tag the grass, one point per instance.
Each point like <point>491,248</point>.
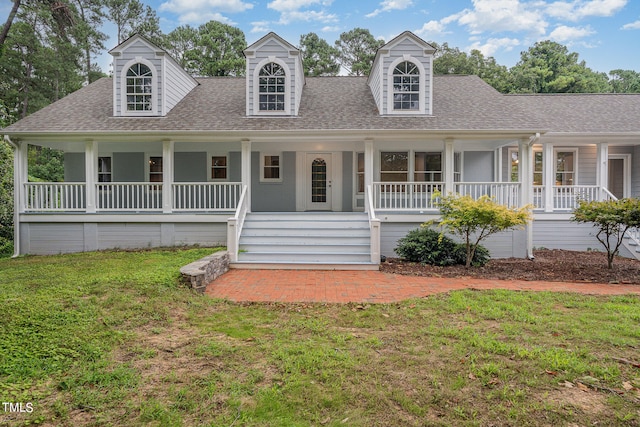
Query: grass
<point>110,338</point>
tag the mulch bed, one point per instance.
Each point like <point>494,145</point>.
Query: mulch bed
<point>549,265</point>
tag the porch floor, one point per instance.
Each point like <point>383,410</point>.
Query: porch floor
<point>371,286</point>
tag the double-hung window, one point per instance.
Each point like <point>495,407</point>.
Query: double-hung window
<point>565,167</point>
<point>394,166</point>
<point>104,169</point>
<point>155,169</point>
<point>270,168</point>
<point>428,167</point>
<point>219,168</point>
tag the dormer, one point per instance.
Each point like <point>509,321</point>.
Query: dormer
<point>146,80</point>
<point>275,77</point>
<point>401,76</point>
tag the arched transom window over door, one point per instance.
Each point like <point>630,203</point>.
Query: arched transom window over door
<point>139,88</point>
<point>406,87</point>
<point>271,88</point>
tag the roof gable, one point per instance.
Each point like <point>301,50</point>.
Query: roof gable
<point>137,38</point>
<point>249,51</point>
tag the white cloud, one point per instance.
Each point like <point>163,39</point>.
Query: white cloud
<point>502,15</point>
<point>580,9</point>
<point>389,5</point>
<point>564,34</point>
<point>632,26</point>
<point>292,5</point>
<point>186,6</point>
<point>307,16</point>
<point>260,27</point>
<point>491,46</point>
<point>196,18</point>
<point>432,29</point>
<point>330,29</point>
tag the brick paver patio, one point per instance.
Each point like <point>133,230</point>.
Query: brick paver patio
<point>371,286</point>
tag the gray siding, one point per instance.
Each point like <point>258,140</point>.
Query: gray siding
<point>74,167</point>
<point>587,159</point>
<point>347,181</point>
<point>478,166</point>
<point>178,84</point>
<point>274,196</point>
<point>235,166</point>
<point>554,234</point>
<point>191,167</point>
<point>56,238</point>
<point>128,167</point>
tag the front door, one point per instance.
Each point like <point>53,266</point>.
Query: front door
<point>618,176</point>
<point>318,181</point>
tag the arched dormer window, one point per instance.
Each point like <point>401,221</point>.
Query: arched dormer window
<point>406,87</point>
<point>139,88</point>
<point>272,87</point>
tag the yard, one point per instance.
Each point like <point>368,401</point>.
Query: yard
<point>109,338</point>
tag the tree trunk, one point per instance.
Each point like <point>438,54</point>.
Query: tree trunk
<point>7,24</point>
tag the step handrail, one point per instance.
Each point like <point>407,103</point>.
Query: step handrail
<point>235,224</point>
<point>374,226</point>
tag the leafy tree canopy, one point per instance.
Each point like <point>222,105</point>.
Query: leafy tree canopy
<point>318,57</point>
<point>357,50</point>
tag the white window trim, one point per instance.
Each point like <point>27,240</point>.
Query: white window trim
<point>210,156</point>
<point>123,88</point>
<point>574,150</point>
<point>97,177</point>
<point>423,76</point>
<point>147,167</point>
<point>287,88</point>
<point>626,158</point>
<point>411,167</point>
<point>262,165</point>
<point>533,164</point>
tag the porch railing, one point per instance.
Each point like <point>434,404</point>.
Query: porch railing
<point>235,224</point>
<point>504,193</point>
<point>206,196</point>
<point>405,196</point>
<point>130,196</point>
<point>566,197</point>
<point>55,197</point>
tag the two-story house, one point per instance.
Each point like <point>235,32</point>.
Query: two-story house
<point>328,172</point>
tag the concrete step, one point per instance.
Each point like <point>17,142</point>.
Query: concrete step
<point>298,257</point>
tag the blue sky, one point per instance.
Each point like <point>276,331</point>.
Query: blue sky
<point>606,33</point>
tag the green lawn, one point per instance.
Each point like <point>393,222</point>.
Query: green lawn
<point>110,338</point>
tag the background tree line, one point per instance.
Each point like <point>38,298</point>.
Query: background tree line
<point>48,49</point>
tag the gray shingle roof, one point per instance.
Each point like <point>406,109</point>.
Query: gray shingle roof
<point>461,103</point>
<point>585,113</point>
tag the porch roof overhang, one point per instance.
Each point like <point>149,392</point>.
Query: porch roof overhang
<point>270,136</point>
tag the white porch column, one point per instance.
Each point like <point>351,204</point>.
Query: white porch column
<point>525,176</point>
<point>91,173</point>
<point>449,166</point>
<point>368,167</point>
<point>246,170</point>
<point>167,175</point>
<point>602,169</point>
<point>21,175</point>
<point>549,176</point>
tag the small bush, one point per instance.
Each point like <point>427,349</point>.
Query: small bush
<point>424,245</point>
<point>427,246</point>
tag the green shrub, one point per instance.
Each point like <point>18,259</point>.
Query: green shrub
<point>427,246</point>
